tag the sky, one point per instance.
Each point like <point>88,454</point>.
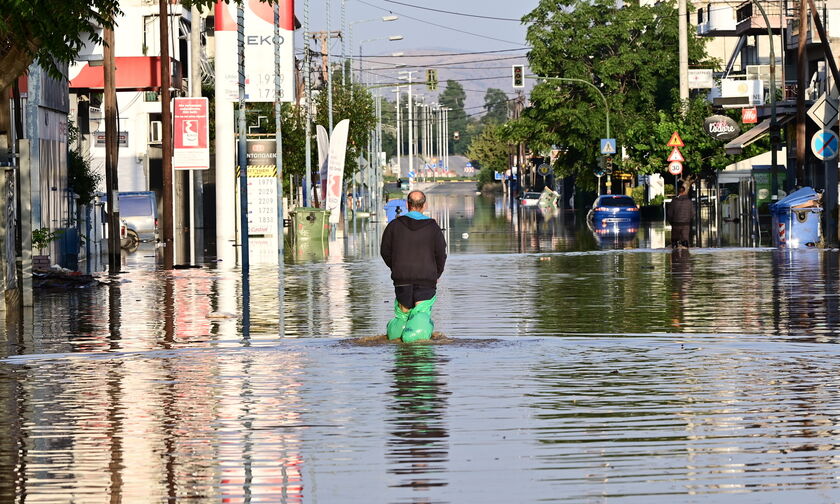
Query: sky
<point>425,30</point>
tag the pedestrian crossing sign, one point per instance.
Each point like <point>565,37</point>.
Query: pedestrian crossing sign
<point>608,146</point>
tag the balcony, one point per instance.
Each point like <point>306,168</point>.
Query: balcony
<point>716,20</point>
<point>749,20</point>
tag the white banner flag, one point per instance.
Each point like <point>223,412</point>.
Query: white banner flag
<point>335,171</point>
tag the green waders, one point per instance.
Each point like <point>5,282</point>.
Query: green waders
<point>415,325</point>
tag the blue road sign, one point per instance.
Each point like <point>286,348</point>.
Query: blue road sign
<point>825,145</point>
<point>468,165</point>
<point>411,174</point>
<point>608,146</point>
<point>497,175</point>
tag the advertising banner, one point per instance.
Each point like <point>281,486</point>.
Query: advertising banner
<point>191,134</point>
<point>259,50</point>
<point>335,170</point>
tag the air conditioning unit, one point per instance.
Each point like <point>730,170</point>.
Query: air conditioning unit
<point>155,132</point>
<point>759,72</point>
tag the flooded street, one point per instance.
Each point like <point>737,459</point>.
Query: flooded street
<point>585,367</point>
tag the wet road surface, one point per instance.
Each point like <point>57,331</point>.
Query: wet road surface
<point>581,370</point>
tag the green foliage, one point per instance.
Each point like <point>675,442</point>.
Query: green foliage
<point>638,195</point>
<point>80,176</point>
<point>496,106</point>
<point>657,200</point>
<point>50,32</point>
<point>647,149</point>
<point>628,53</point>
<point>353,102</point>
<point>454,97</point>
<point>42,237</point>
<point>490,151</point>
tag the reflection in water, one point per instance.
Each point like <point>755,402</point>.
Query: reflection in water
<point>635,375</point>
<point>418,443</point>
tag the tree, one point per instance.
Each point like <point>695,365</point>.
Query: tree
<point>496,106</point>
<point>648,152</point>
<point>353,102</point>
<point>454,97</point>
<point>490,151</point>
<point>628,53</point>
<point>53,32</point>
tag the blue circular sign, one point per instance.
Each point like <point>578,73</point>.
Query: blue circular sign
<point>825,145</point>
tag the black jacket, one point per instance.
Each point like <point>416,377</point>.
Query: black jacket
<point>681,210</point>
<point>414,250</point>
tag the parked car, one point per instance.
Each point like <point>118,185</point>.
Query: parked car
<point>613,208</point>
<point>129,240</point>
<point>530,199</point>
<point>139,211</point>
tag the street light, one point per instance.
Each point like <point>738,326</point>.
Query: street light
<point>391,38</point>
<point>350,29</point>
<point>406,75</point>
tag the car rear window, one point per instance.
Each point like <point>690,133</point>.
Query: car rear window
<point>617,201</point>
<point>135,206</point>
<point>532,195</point>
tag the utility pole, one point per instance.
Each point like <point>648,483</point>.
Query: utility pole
<point>307,179</point>
<point>399,136</point>
<point>242,156</point>
<point>278,136</point>
<point>326,73</point>
<point>801,83</point>
<point>166,119</point>
<point>195,91</point>
<point>683,42</point>
<point>111,154</point>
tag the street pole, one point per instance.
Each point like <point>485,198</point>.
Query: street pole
<point>802,83</point>
<point>329,73</point>
<point>399,137</point>
<point>111,154</point>
<point>307,179</point>
<point>278,135</point>
<point>683,49</point>
<point>195,91</point>
<point>166,147</point>
<point>410,127</point>
<point>243,144</point>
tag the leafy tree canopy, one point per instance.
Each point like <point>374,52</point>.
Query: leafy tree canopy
<point>52,32</point>
<point>454,97</point>
<point>496,106</point>
<point>490,151</point>
<point>629,53</point>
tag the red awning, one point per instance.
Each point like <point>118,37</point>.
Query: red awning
<point>133,73</point>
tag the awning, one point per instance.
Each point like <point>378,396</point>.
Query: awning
<point>133,73</point>
<point>736,146</point>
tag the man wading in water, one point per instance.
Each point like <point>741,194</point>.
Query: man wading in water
<point>414,248</point>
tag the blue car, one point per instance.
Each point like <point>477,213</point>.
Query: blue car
<point>613,208</point>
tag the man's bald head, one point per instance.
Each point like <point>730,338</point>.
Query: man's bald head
<point>416,201</point>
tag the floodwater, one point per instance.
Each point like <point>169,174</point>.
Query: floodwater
<point>584,367</point>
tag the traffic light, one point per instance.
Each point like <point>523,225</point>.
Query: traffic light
<point>519,76</point>
<point>608,164</point>
<point>431,79</point>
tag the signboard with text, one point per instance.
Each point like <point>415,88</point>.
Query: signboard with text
<point>259,51</point>
<point>191,134</point>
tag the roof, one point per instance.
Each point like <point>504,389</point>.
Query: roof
<point>737,144</point>
<point>133,73</point>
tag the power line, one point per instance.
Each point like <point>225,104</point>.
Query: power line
<point>459,30</point>
<point>494,51</point>
<point>453,12</point>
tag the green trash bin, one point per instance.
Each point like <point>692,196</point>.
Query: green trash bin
<point>310,224</point>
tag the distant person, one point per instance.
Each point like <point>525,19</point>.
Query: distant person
<point>414,249</point>
<point>680,216</point>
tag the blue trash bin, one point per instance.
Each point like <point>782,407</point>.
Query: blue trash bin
<point>395,208</point>
<point>797,227</point>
